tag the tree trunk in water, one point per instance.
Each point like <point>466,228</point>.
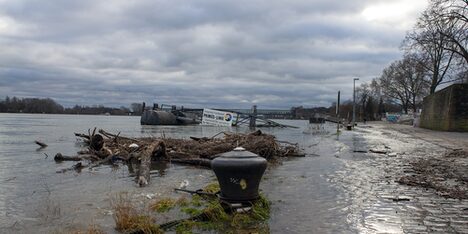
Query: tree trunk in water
<point>156,150</point>
<point>60,158</point>
<point>144,170</point>
<point>97,142</point>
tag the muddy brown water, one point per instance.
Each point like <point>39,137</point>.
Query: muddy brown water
<point>325,192</point>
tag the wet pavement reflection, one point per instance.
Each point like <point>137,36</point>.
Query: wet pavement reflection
<point>378,204</point>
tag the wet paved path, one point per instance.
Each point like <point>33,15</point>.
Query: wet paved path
<point>378,204</point>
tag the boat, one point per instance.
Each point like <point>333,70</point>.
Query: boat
<point>174,116</point>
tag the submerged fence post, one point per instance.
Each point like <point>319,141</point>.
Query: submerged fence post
<point>338,113</point>
<point>253,117</point>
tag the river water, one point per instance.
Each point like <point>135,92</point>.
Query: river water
<point>34,198</point>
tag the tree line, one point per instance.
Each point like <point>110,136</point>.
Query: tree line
<point>49,106</point>
<point>435,53</point>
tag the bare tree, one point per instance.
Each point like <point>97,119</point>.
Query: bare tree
<point>363,93</point>
<point>136,108</point>
<point>404,82</point>
<point>427,41</point>
<point>376,91</point>
<point>462,77</point>
<point>440,37</point>
<point>393,87</point>
<point>377,96</point>
<point>453,17</point>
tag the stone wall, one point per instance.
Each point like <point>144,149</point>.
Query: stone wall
<point>446,109</point>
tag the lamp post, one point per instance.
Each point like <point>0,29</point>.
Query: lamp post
<point>354,100</point>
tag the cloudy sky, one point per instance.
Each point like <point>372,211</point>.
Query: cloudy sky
<point>206,53</point>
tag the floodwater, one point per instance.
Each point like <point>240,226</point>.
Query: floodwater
<point>331,190</point>
<point>35,198</point>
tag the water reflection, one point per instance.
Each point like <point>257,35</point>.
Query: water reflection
<point>160,167</point>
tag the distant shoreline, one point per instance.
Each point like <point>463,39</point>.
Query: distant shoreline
<point>63,114</point>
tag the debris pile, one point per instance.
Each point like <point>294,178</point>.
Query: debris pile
<point>456,153</point>
<point>447,177</point>
<point>103,148</point>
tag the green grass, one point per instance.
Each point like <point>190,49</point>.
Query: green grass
<point>163,205</point>
<point>253,221</point>
<point>127,218</point>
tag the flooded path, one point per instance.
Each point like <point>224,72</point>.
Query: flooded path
<point>378,204</point>
<point>340,187</point>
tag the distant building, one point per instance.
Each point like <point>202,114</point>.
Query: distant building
<point>307,113</point>
<point>274,114</point>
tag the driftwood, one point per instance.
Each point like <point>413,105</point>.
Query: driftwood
<point>76,167</point>
<point>378,151</point>
<point>155,151</point>
<point>82,135</point>
<point>256,133</point>
<point>102,161</point>
<point>179,155</point>
<point>41,144</point>
<point>144,170</point>
<point>79,166</point>
<point>200,138</point>
<point>158,150</point>
<point>60,157</point>
<point>113,136</point>
<point>139,153</point>
<point>102,153</point>
<point>359,151</point>
<point>97,142</point>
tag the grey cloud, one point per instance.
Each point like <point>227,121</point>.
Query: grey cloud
<point>194,53</point>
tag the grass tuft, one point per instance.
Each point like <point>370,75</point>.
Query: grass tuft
<point>127,218</point>
<point>212,188</point>
<point>163,205</point>
<point>253,221</point>
<point>211,215</point>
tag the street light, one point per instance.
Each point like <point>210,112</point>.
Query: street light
<point>354,100</point>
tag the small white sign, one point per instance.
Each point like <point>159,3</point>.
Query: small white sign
<point>217,118</point>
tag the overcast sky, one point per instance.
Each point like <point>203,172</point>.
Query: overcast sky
<point>207,53</point>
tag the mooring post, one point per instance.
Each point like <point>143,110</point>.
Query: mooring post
<point>253,117</point>
<point>143,107</point>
